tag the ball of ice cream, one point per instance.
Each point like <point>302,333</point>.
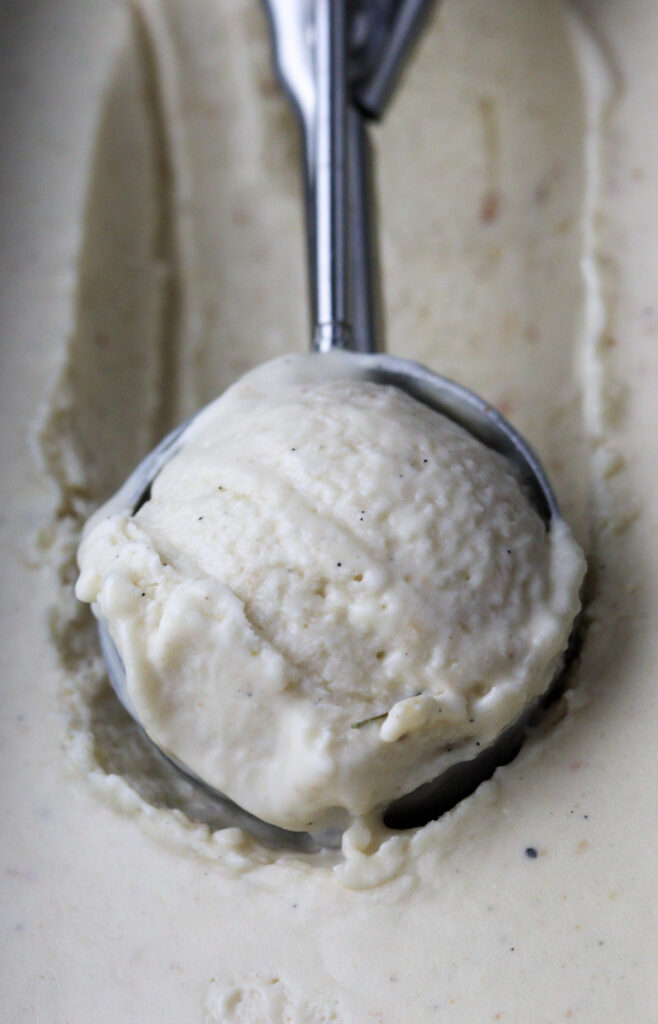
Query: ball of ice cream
<point>332,594</point>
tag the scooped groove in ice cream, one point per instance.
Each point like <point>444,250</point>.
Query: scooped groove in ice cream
<point>332,594</point>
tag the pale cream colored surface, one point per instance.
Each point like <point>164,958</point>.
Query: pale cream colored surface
<point>325,568</point>
<point>115,911</point>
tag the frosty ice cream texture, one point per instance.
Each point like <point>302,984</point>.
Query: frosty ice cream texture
<point>332,594</point>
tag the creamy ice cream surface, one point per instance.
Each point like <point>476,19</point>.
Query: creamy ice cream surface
<point>333,593</point>
<point>152,252</point>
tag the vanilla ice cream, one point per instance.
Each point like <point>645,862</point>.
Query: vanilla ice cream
<point>333,593</point>
<point>152,248</point>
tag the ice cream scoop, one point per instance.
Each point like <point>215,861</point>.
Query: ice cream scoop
<point>332,595</point>
<point>339,258</point>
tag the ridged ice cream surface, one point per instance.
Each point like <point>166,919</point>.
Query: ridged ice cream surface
<point>333,593</point>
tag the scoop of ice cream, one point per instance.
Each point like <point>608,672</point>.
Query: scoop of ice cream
<point>332,594</point>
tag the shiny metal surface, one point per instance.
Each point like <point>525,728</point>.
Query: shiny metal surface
<point>338,62</point>
<point>328,178</point>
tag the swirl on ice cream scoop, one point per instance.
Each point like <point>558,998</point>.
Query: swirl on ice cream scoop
<point>332,594</point>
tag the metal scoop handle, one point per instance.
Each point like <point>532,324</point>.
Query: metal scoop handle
<point>338,61</point>
<point>327,149</point>
<point>346,307</point>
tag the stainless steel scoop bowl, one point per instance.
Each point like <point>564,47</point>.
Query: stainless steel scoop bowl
<point>336,78</point>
